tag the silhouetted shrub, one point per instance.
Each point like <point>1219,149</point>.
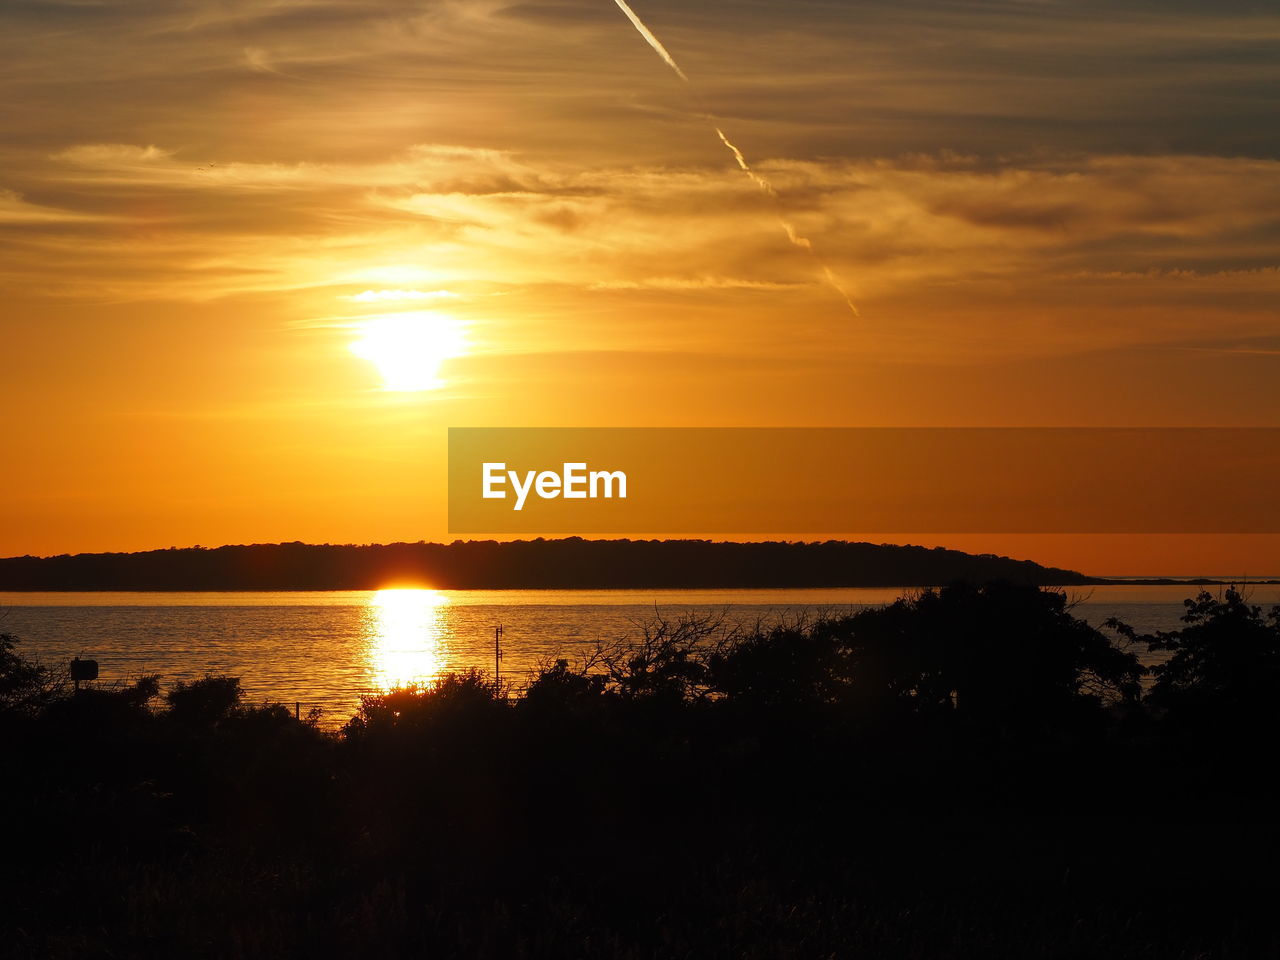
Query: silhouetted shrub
<point>98,709</point>
<point>25,687</point>
<point>1224,666</point>
<point>204,702</point>
<point>469,696</point>
<point>667,662</point>
<point>785,666</point>
<point>560,690</point>
<point>900,781</point>
<point>1001,656</point>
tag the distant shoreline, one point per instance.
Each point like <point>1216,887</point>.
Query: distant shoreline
<point>1187,581</point>
<point>1099,582</point>
<point>571,563</point>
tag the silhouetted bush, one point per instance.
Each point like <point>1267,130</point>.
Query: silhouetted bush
<point>25,687</point>
<point>100,709</point>
<point>1223,669</point>
<point>561,691</point>
<point>951,775</point>
<point>784,666</point>
<point>453,699</point>
<point>1002,658</point>
<point>205,702</point>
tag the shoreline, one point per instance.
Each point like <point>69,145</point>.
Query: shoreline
<point>1093,582</point>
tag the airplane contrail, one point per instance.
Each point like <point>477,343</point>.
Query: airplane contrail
<point>758,179</point>
<point>653,41</point>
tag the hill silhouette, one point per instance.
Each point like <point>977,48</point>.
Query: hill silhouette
<point>570,563</point>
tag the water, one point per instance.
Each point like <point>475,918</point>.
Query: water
<point>326,649</point>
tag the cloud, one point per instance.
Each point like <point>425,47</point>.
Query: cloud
<point>113,156</point>
<point>807,78</point>
<point>691,283</point>
<point>15,210</point>
<point>260,60</point>
<point>493,219</point>
<point>981,173</point>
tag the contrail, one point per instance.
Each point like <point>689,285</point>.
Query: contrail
<point>652,40</point>
<point>758,179</point>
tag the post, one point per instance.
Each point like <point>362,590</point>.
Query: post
<point>83,670</point>
<point>296,709</point>
<point>497,658</point>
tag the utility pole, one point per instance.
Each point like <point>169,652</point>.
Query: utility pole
<point>497,658</point>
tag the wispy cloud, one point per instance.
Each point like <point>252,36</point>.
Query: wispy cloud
<point>987,173</point>
<point>14,210</point>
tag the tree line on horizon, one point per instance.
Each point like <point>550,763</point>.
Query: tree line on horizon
<point>569,563</point>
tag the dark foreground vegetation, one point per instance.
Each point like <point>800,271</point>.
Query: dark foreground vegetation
<point>969,773</point>
<point>565,564</point>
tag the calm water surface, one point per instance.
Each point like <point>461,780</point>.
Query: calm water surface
<point>326,649</point>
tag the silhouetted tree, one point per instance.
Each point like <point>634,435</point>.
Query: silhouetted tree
<point>25,687</point>
<point>696,793</point>
<point>668,662</point>
<point>998,655</point>
<point>784,666</point>
<point>1224,665</point>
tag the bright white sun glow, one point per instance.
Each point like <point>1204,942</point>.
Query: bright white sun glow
<point>409,348</point>
<point>406,636</point>
<point>399,296</point>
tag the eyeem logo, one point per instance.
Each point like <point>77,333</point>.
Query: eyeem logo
<point>573,482</point>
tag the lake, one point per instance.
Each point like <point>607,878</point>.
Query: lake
<point>326,649</point>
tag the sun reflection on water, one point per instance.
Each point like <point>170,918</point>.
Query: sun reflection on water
<point>406,633</point>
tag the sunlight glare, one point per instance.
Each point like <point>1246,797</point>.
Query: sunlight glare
<point>399,296</point>
<point>409,348</point>
<point>406,634</point>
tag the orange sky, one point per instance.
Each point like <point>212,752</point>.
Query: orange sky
<point>1048,214</point>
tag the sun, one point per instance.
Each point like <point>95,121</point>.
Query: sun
<point>409,348</point>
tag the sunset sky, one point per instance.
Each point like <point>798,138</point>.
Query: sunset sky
<point>227,227</point>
